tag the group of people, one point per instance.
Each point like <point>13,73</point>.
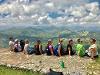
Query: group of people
<point>58,50</point>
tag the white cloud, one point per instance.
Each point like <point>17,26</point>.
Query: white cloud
<point>50,5</point>
<point>37,12</point>
<point>93,7</point>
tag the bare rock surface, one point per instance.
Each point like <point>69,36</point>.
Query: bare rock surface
<point>73,65</point>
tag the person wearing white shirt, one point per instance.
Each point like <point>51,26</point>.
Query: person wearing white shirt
<point>92,50</point>
<point>11,44</point>
<point>27,48</point>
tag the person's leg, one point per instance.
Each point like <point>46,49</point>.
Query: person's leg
<point>22,48</point>
<point>48,53</point>
<point>96,56</point>
<point>87,53</point>
<point>30,50</point>
<point>72,52</point>
<point>93,54</point>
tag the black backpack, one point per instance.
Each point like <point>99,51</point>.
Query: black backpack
<point>22,44</point>
<point>54,73</point>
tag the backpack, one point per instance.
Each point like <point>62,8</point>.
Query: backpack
<point>30,50</point>
<point>54,73</point>
<point>22,44</point>
<point>56,50</point>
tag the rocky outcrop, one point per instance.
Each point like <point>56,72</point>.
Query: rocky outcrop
<point>73,65</point>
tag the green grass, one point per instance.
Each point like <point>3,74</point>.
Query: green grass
<point>14,71</point>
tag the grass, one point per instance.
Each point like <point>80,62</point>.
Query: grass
<point>14,71</point>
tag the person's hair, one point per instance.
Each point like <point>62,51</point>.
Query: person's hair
<point>22,42</point>
<point>78,40</point>
<point>26,41</point>
<point>49,41</point>
<point>10,38</point>
<point>94,40</point>
<point>70,40</point>
<point>81,41</point>
<point>61,40</point>
<point>38,41</point>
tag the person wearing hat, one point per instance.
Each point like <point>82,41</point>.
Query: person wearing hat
<point>17,47</point>
<point>92,50</point>
<point>49,48</point>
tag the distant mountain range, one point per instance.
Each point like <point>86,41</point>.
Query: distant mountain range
<point>49,11</point>
<point>48,32</point>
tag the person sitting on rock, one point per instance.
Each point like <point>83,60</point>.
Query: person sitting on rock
<point>22,44</point>
<point>70,48</point>
<point>92,50</point>
<point>80,50</point>
<point>59,49</point>
<point>17,47</point>
<point>49,48</point>
<point>11,44</point>
<point>38,48</point>
<point>27,48</point>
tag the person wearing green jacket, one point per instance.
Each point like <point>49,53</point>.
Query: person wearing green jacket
<point>80,50</point>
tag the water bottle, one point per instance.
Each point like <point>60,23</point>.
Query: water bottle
<point>62,64</point>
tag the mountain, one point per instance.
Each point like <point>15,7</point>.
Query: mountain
<point>49,32</point>
<point>49,11</point>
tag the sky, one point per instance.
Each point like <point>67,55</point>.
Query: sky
<point>49,11</point>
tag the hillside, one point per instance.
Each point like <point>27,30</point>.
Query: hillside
<point>46,32</point>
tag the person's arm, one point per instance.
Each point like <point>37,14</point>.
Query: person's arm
<point>59,37</point>
<point>26,49</point>
<point>15,47</point>
<point>59,51</point>
<point>20,49</point>
<point>69,51</point>
<point>40,48</point>
<point>78,52</point>
<point>51,50</point>
<point>93,51</point>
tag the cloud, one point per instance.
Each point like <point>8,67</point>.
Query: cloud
<point>51,12</point>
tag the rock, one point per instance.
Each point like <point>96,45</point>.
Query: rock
<point>95,73</point>
<point>43,63</point>
<point>8,65</point>
<point>90,73</point>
